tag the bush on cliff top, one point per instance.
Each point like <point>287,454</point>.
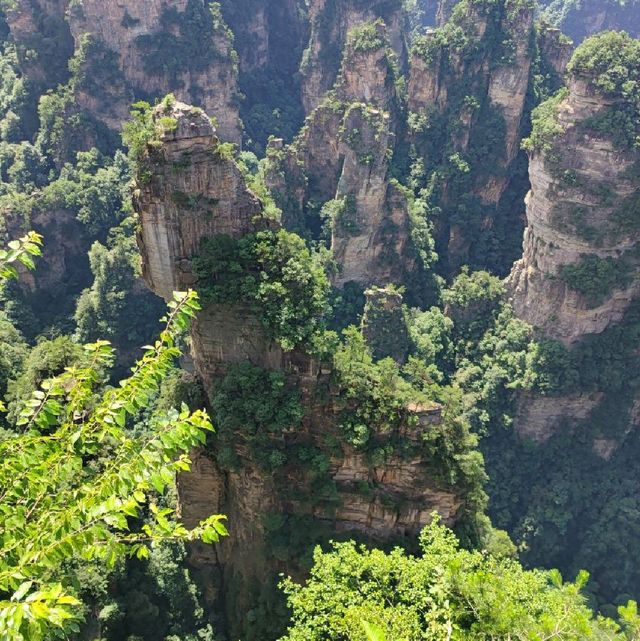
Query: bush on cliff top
<point>367,37</point>
<point>611,60</point>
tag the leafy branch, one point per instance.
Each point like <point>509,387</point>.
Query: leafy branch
<point>75,481</point>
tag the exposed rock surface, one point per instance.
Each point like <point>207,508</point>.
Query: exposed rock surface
<point>343,155</point>
<point>139,50</point>
<point>555,50</point>
<point>538,417</point>
<point>579,187</point>
<point>198,56</point>
<point>455,91</point>
<point>268,34</point>
<point>331,21</point>
<point>194,192</point>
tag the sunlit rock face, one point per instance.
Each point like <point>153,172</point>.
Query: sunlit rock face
<point>330,23</point>
<point>192,191</point>
<point>343,154</point>
<point>579,189</point>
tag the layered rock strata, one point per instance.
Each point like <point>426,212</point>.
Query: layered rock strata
<point>581,185</point>
<point>193,192</point>
<point>583,19</point>
<point>342,159</point>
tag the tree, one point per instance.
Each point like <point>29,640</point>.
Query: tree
<point>447,593</point>
<point>75,481</point>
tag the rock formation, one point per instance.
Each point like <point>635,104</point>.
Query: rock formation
<point>183,48</point>
<point>471,95</point>
<point>192,191</point>
<point>331,21</point>
<point>43,40</point>
<point>131,51</point>
<point>342,158</point>
<point>578,279</point>
<point>580,221</point>
<point>267,35</point>
<point>555,52</point>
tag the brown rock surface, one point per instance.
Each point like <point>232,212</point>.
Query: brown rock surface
<point>343,153</point>
<point>121,26</point>
<point>569,219</point>
<point>330,24</point>
<point>499,84</point>
<point>194,192</point>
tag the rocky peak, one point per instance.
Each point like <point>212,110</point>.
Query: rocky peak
<point>555,50</point>
<point>367,74</point>
<point>342,159</point>
<point>194,190</point>
<point>581,225</point>
<point>190,188</point>
<point>331,21</point>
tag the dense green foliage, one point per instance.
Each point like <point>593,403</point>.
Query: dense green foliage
<point>141,135</point>
<point>274,274</point>
<point>596,278</point>
<point>570,502</point>
<point>354,594</point>
<point>61,501</point>
<point>255,406</point>
<point>145,599</point>
<point>545,125</point>
<point>117,307</point>
<point>367,37</point>
<point>610,63</point>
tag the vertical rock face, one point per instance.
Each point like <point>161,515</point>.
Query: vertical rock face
<point>268,34</point>
<point>581,219</point>
<point>473,92</point>
<point>343,155</point>
<point>182,48</point>
<point>331,21</point>
<point>196,192</point>
<point>139,50</point>
<point>192,191</point>
<point>371,234</point>
<point>43,40</point>
<point>555,50</point>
